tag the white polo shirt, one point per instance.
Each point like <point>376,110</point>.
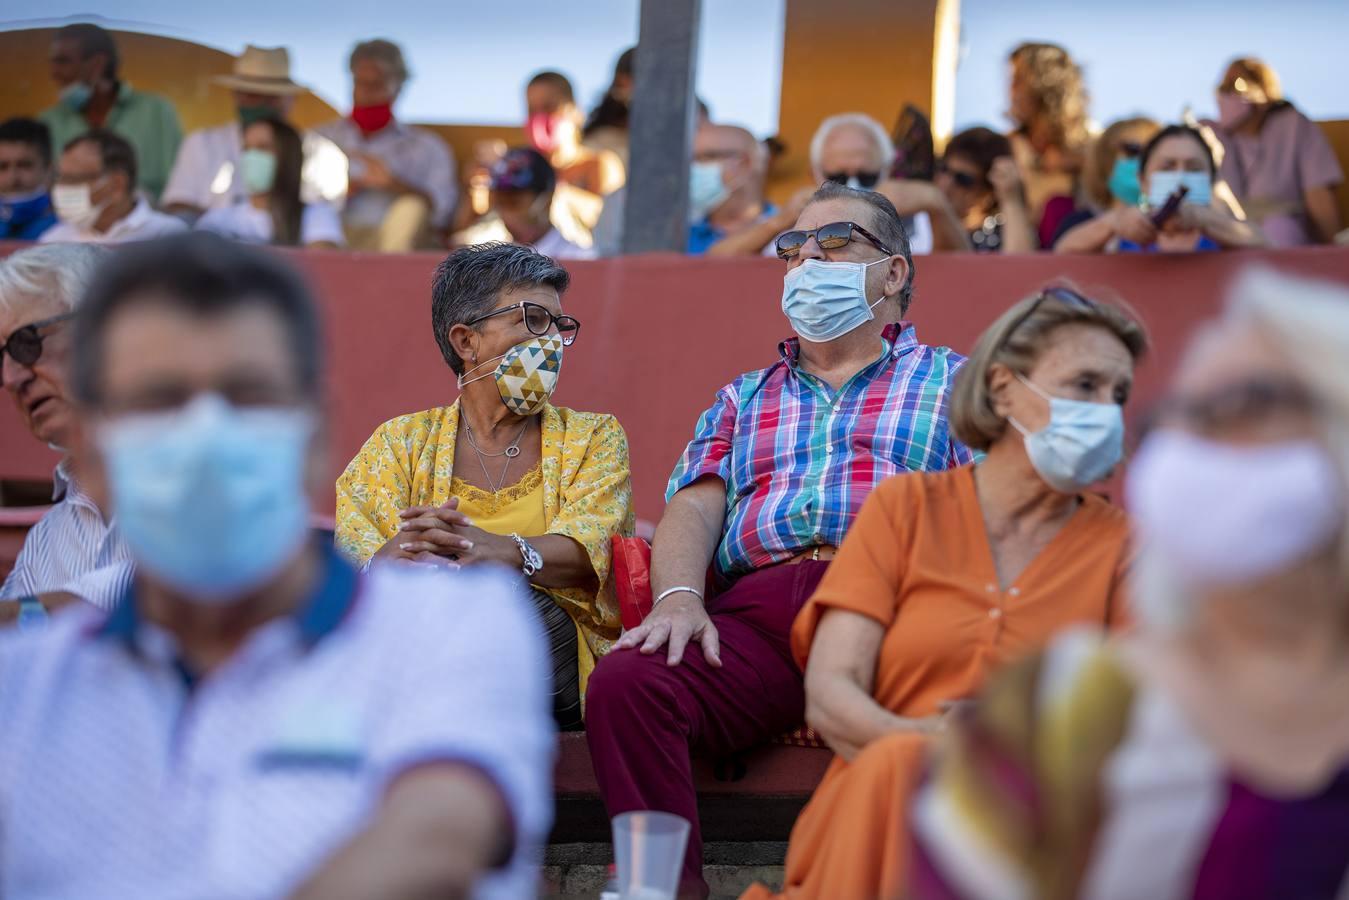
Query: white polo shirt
<point>141,224</point>
<point>121,777</point>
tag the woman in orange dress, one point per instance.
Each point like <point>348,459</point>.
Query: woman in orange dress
<point>946,576</point>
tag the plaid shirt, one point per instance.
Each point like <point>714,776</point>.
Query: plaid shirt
<point>798,460</point>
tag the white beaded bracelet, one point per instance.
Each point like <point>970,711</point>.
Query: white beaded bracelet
<point>675,590</point>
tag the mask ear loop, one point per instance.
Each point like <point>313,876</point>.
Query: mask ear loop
<point>461,382</point>
<point>1037,390</point>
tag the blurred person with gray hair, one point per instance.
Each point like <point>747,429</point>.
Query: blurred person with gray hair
<point>1206,754</point>
<point>403,184</point>
<point>72,553</point>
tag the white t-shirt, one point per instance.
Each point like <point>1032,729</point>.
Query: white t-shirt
<point>204,171</point>
<point>141,224</point>
<point>319,223</point>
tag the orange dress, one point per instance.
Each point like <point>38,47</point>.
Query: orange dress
<point>918,561</point>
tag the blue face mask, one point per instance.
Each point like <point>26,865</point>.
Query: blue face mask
<point>1123,183</point>
<point>1080,445</point>
<point>20,209</point>
<point>258,170</point>
<point>707,189</point>
<point>76,95</point>
<point>1163,184</point>
<point>210,498</point>
<point>826,300</point>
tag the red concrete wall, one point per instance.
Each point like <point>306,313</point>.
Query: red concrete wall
<point>660,334</point>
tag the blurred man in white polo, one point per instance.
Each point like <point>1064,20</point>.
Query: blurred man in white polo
<point>205,174</point>
<point>95,195</point>
<point>255,718</point>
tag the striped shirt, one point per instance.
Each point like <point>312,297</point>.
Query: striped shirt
<point>799,459</point>
<point>72,549</point>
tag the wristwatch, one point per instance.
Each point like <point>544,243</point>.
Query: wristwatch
<point>533,562</point>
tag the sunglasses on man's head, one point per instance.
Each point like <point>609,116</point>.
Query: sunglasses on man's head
<point>25,344</point>
<point>833,236</point>
<point>867,180</point>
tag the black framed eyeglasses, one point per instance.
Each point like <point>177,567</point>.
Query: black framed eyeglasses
<point>867,180</point>
<point>25,344</point>
<point>833,236</point>
<point>539,320</point>
<point>965,180</point>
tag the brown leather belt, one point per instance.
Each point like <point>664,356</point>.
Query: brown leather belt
<point>823,553</point>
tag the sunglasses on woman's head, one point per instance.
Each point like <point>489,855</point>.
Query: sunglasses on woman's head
<point>25,344</point>
<point>833,236</point>
<point>867,180</point>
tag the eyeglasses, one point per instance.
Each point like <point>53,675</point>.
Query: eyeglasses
<point>963,179</point>
<point>830,237</point>
<point>539,321</point>
<point>25,344</point>
<point>865,179</point>
<point>1130,149</point>
<point>1235,406</point>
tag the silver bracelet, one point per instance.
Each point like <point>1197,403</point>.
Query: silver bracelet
<point>676,590</point>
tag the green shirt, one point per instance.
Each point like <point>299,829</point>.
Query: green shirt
<point>148,121</point>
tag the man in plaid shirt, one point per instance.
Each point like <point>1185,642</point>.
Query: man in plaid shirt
<point>775,474</point>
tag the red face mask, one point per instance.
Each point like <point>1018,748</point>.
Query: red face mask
<point>541,128</point>
<point>372,118</point>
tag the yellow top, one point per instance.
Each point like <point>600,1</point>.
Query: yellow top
<point>515,509</point>
<point>587,496</point>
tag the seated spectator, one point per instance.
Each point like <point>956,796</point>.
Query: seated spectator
<point>501,476</point>
<point>522,190</point>
<point>770,484</point>
<point>1204,754</point>
<point>948,575</point>
<point>402,179</point>
<point>1049,107</point>
<point>554,129</point>
<point>85,66</point>
<point>607,126</point>
<point>853,149</point>
<point>1176,156</point>
<point>205,174</point>
<point>72,554</point>
<point>343,725</point>
<point>1110,175</point>
<point>728,215</point>
<point>95,195</point>
<point>25,180</point>
<point>269,168</point>
<point>1278,162</point>
<point>983,185</point>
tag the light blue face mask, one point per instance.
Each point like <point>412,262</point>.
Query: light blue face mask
<point>825,300</point>
<point>707,189</point>
<point>210,498</point>
<point>76,95</point>
<point>257,168</point>
<point>1081,444</point>
<point>1163,184</point>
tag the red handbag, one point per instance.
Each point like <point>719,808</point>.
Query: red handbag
<point>632,579</point>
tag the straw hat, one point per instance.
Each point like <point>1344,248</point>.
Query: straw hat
<point>261,70</point>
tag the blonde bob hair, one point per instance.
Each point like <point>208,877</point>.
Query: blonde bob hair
<point>1016,340</point>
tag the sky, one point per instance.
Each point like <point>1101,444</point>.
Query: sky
<point>470,60</point>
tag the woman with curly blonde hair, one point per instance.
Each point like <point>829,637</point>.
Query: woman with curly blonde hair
<point>1049,106</point>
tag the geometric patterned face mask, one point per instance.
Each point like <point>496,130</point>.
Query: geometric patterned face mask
<point>527,374</point>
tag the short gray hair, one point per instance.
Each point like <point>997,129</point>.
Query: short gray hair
<point>386,53</point>
<point>885,224</point>
<point>470,280</point>
<point>884,146</point>
<point>59,271</point>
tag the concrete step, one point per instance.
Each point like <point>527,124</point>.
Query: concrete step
<point>578,871</point>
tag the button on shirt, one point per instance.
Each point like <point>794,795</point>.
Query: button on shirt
<point>414,156</point>
<point>121,776</point>
<point>798,459</point>
<point>141,224</point>
<point>71,549</point>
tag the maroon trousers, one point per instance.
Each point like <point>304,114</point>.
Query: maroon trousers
<point>644,717</point>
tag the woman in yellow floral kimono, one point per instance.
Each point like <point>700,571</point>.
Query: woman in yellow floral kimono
<point>501,475</point>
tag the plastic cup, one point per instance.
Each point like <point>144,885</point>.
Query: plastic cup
<point>649,851</point>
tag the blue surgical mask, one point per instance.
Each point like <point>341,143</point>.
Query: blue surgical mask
<point>210,498</point>
<point>707,189</point>
<point>1123,183</point>
<point>19,209</point>
<point>826,300</point>
<point>76,95</point>
<point>1081,444</point>
<point>1163,184</point>
<point>257,168</point>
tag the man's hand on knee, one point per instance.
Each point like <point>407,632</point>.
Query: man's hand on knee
<point>675,622</point>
